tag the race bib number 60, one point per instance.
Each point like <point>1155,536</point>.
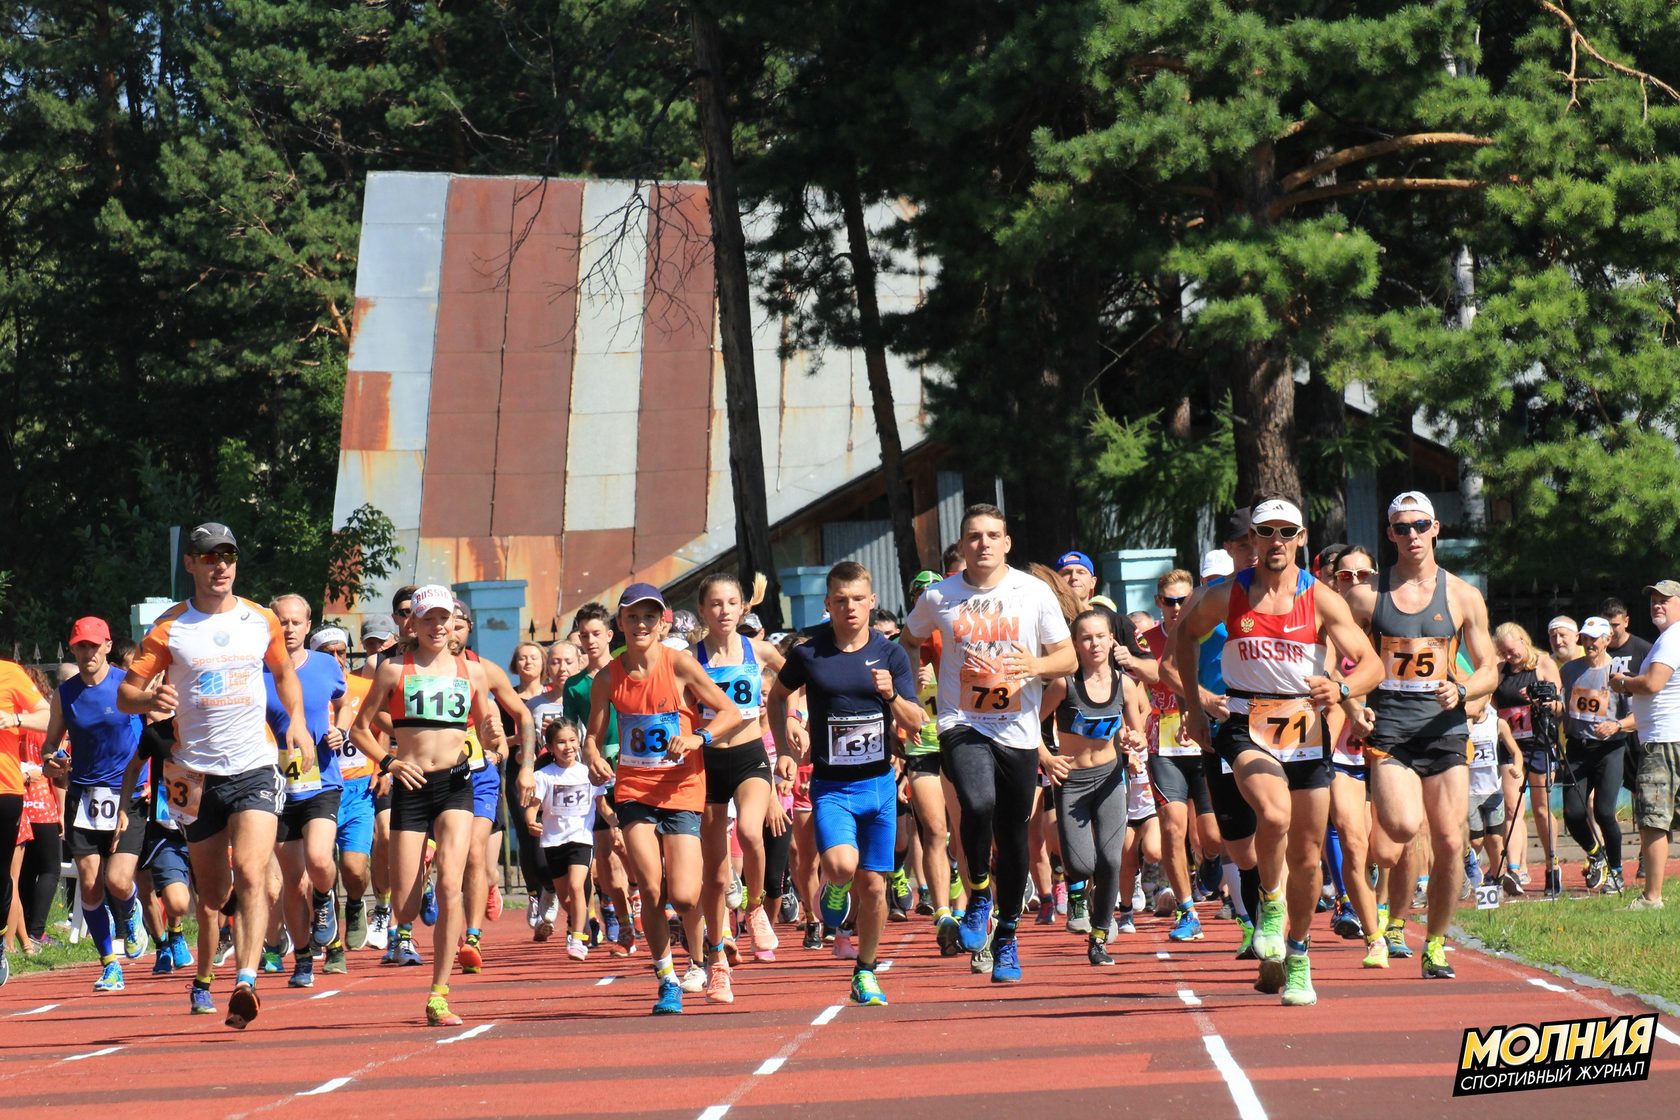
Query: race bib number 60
<point>97,809</point>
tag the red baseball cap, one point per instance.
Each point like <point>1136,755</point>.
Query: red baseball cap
<point>90,629</point>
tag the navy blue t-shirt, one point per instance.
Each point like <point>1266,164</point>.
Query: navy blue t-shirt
<point>851,723</point>
<point>102,738</point>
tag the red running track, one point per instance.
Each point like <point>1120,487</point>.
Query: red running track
<point>1181,1034</point>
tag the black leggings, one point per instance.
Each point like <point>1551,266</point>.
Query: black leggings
<point>1598,771</point>
<point>995,789</point>
<point>11,812</point>
<point>38,878</point>
<point>533,865</point>
<point>776,850</point>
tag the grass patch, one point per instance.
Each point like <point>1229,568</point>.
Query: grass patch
<point>1596,936</point>
<point>62,954</point>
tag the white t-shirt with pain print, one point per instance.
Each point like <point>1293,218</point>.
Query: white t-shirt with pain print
<point>978,627</point>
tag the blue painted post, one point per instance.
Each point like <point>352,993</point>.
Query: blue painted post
<point>496,605</point>
<point>1128,576</point>
<point>805,588</point>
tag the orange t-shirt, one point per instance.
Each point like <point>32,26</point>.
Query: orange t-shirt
<point>352,763</point>
<point>18,696</point>
<point>651,713</point>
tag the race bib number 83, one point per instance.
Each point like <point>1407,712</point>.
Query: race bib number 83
<point>643,739</point>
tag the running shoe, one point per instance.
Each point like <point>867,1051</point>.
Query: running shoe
<point>673,929</point>
<point>1245,948</point>
<point>1269,947</point>
<point>1165,902</point>
<point>1597,870</point>
<point>1298,985</point>
<point>469,957</point>
<point>735,893</point>
<point>323,930</point>
<point>1046,916</point>
<point>924,900</point>
<point>834,902</point>
<point>976,928</point>
<point>1187,928</point>
<point>1613,881</point>
<point>1226,913</point>
<point>844,947</point>
<point>438,1013</point>
<point>1079,916</point>
<point>243,1006</point>
<point>813,936</point>
<point>200,1002</point>
<point>165,963</point>
<point>611,930</point>
<point>625,946</point>
<point>1324,905</point>
<point>1396,936</point>
<point>428,904</point>
<point>179,954</point>
<point>1376,952</point>
<point>1209,874</point>
<point>1346,923</point>
<point>694,980</point>
<point>355,925</point>
<point>718,986</point>
<point>1124,923</point>
<point>335,961</point>
<point>493,904</point>
<point>670,998</point>
<point>134,932</point>
<point>765,941</point>
<point>1554,882</point>
<point>1465,886</point>
<point>1435,965</point>
<point>980,963</point>
<point>1006,962</point>
<point>1472,869</point>
<point>789,909</point>
<point>544,931</point>
<point>1060,891</point>
<point>1097,953</point>
<point>949,935</point>
<point>898,890</point>
<point>111,979</point>
<point>303,974</point>
<point>390,956</point>
<point>577,948</point>
<point>5,967</point>
<point>1382,915</point>
<point>407,954</point>
<point>272,959</point>
<point>1420,896</point>
<point>534,907</point>
<point>956,885</point>
<point>1140,901</point>
<point>1511,883</point>
<point>1640,902</point>
<point>866,990</point>
<point>379,927</point>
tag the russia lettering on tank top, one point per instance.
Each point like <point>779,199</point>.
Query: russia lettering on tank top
<point>1271,654</point>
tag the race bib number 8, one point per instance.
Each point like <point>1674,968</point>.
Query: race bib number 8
<point>1283,728</point>
<point>856,740</point>
<point>440,698</point>
<point>96,811</point>
<point>182,789</point>
<point>1415,664</point>
<point>644,739</point>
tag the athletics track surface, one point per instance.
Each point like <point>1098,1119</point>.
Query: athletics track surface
<point>1173,1031</point>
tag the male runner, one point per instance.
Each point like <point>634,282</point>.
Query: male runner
<point>593,626</point>
<point>1274,738</point>
<point>857,684</point>
<point>355,803</point>
<point>224,783</point>
<point>1416,732</point>
<point>1003,635</point>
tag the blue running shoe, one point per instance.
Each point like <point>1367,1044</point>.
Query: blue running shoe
<point>428,905</point>
<point>303,974</point>
<point>976,927</point>
<point>178,951</point>
<point>670,998</point>
<point>134,932</point>
<point>324,927</point>
<point>866,990</point>
<point>202,1004</point>
<point>834,902</point>
<point>1006,963</point>
<point>611,928</point>
<point>165,963</point>
<point>1187,928</point>
<point>110,980</point>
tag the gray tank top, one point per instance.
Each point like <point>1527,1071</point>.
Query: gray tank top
<point>1417,651</point>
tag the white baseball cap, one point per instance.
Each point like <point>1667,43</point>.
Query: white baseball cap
<point>1218,562</point>
<point>1595,627</point>
<point>433,597</point>
<point>1276,509</point>
<point>1412,500</point>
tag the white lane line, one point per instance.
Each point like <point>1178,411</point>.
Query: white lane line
<point>771,1065</point>
<point>45,1007</point>
<point>1162,955</point>
<point>604,981</point>
<point>1248,1105</point>
<point>827,1015</point>
<point>1546,984</point>
<point>1667,1035</point>
<point>1190,998</point>
<point>94,1054</point>
<point>326,1087</point>
<point>466,1034</point>
<point>325,995</point>
<point>716,1112</point>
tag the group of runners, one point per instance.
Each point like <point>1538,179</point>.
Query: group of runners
<point>1282,719</point>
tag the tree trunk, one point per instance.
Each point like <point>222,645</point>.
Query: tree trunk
<point>1323,417</point>
<point>880,386</point>
<point>746,448</point>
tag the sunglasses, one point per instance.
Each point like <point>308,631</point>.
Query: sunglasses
<point>1407,528</point>
<point>1351,575</point>
<point>226,555</point>
<point>403,612</point>
<point>1172,600</point>
<point>1284,532</point>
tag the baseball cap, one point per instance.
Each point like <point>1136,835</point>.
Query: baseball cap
<point>1666,587</point>
<point>1103,601</point>
<point>1564,622</point>
<point>1217,562</point>
<point>1076,557</point>
<point>640,593</point>
<point>750,625</point>
<point>1236,525</point>
<point>462,610</point>
<point>378,626</point>
<point>923,580</point>
<point>1276,509</point>
<point>433,597</point>
<point>327,636</point>
<point>210,535</point>
<point>1413,500</point>
<point>684,625</point>
<point>90,629</point>
<point>1595,627</point>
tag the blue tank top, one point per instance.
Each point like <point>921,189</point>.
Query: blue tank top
<point>102,739</point>
<point>1210,665</point>
<point>743,683</point>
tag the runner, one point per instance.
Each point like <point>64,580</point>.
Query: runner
<point>857,685</point>
<point>738,769</point>
<point>21,706</point>
<point>355,804</point>
<point>661,778</point>
<point>562,816</point>
<point>1598,725</point>
<point>1095,708</point>
<point>593,626</point>
<point>430,694</point>
<point>1274,738</point>
<point>1414,721</point>
<point>379,634</point>
<point>225,785</point>
<point>927,794</point>
<point>1010,635</point>
<point>1532,719</point>
<point>102,741</point>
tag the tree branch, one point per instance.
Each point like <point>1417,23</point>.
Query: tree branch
<point>1365,186</point>
<point>1579,42</point>
<point>1381,148</point>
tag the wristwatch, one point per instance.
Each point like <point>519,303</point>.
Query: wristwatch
<point>1463,695</point>
<point>385,763</point>
<point>1346,691</point>
<point>705,736</point>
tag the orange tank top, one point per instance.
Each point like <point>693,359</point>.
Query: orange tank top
<point>651,713</point>
<point>430,699</point>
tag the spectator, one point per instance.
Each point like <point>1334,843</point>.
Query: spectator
<point>1656,712</point>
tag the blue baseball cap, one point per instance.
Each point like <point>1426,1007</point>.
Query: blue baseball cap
<point>1076,557</point>
<point>640,593</point>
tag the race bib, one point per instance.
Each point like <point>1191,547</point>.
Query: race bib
<point>96,810</point>
<point>1283,727</point>
<point>182,789</point>
<point>743,685</point>
<point>1521,719</point>
<point>985,691</point>
<point>1414,664</point>
<point>1486,756</point>
<point>1170,735</point>
<point>856,740</point>
<point>1591,703</point>
<point>1101,729</point>
<point>299,780</point>
<point>447,699</point>
<point>643,739</point>
<point>475,752</point>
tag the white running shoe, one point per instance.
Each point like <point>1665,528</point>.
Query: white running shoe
<point>534,911</point>
<point>577,948</point>
<point>735,894</point>
<point>694,980</point>
<point>551,907</point>
<point>379,927</point>
<point>844,947</point>
<point>1165,902</point>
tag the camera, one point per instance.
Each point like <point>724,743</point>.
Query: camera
<point>1542,692</point>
